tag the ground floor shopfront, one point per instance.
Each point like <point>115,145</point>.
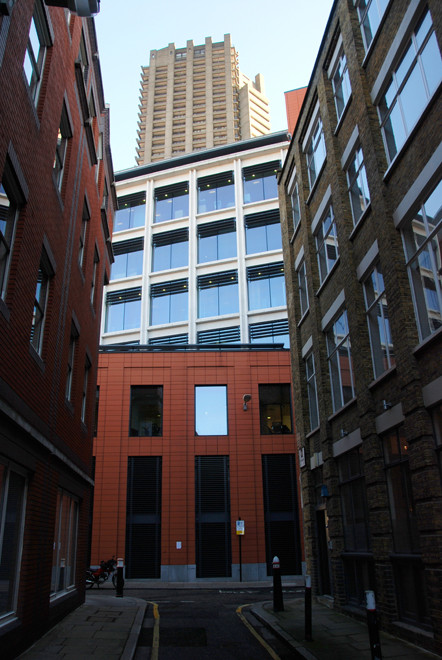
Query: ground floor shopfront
<point>195,464</point>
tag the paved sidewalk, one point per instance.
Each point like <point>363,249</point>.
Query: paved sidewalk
<point>335,636</point>
<point>103,628</point>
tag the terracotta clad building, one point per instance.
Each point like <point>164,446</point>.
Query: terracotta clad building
<point>56,211</point>
<point>361,199</point>
<point>293,103</point>
<point>195,417</point>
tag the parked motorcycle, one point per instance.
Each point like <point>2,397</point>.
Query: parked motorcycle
<point>102,573</point>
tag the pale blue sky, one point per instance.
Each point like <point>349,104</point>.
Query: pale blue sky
<point>279,40</point>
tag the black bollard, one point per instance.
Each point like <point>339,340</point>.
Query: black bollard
<point>308,609</point>
<point>373,630</point>
<point>120,578</point>
<point>278,604</point>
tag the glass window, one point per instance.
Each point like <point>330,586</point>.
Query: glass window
<point>12,511</point>
<point>94,276</point>
<point>275,409</point>
<point>146,410</point>
<point>422,239</point>
<point>263,232</point>
<point>171,202</point>
<point>341,84</point>
<point>123,310</point>
<point>370,13</point>
<point>216,240</point>
<point>357,185</point>
<point>210,410</point>
<point>326,239</point>
<point>35,54</point>
<point>218,294</point>
<point>8,217</point>
<point>216,192</point>
<point>382,352</point>
<point>411,86</point>
<point>271,332</point>
<point>315,152</point>
<point>266,286</point>
<point>87,368</point>
<point>312,392</point>
<point>40,306</point>
<point>128,258</point>
<point>170,250</point>
<point>131,212</point>
<point>82,245</point>
<point>296,211</point>
<point>436,418</point>
<point>169,302</point>
<point>260,182</point>
<point>61,148</point>
<point>340,362</point>
<point>302,288</point>
<point>65,543</point>
<point>71,357</point>
<point>353,501</point>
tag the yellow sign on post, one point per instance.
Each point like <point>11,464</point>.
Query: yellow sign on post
<point>240,527</point>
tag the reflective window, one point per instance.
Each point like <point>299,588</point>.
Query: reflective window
<point>312,392</point>
<point>8,217</point>
<point>65,543</point>
<point>128,258</point>
<point>275,409</point>
<point>341,84</point>
<point>131,212</point>
<point>61,148</point>
<point>40,304</point>
<point>123,310</point>
<point>171,202</point>
<point>266,286</point>
<point>422,239</point>
<point>170,250</point>
<point>370,13</point>
<point>12,511</point>
<point>169,302</point>
<point>302,288</point>
<point>218,294</point>
<point>146,410</point>
<point>411,86</point>
<point>263,232</point>
<point>73,341</point>
<point>216,240</point>
<point>382,352</point>
<point>216,192</point>
<point>357,185</point>
<point>260,182</point>
<point>35,54</point>
<point>326,239</point>
<point>296,211</point>
<point>340,362</point>
<point>210,410</point>
<point>315,152</point>
<point>270,332</point>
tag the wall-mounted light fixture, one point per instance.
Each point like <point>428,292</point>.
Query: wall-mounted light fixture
<point>246,399</point>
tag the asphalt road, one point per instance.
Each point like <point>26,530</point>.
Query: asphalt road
<point>189,624</point>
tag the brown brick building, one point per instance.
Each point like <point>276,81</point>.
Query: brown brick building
<point>56,211</point>
<point>360,206</point>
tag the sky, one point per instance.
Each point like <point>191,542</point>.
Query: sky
<point>279,41</point>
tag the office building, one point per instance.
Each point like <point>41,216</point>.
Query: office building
<point>195,423</point>
<point>361,216</point>
<point>293,104</point>
<point>196,98</point>
<point>56,211</point>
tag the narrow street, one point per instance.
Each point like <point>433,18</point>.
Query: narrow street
<point>197,624</point>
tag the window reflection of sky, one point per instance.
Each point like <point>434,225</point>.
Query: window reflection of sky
<point>211,410</point>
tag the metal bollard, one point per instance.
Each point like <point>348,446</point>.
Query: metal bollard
<point>120,578</point>
<point>373,630</point>
<point>278,604</point>
<point>308,609</point>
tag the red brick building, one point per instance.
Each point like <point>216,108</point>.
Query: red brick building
<point>293,104</point>
<point>56,211</point>
<point>189,441</point>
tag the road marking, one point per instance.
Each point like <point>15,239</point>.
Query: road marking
<point>262,641</point>
<point>156,631</point>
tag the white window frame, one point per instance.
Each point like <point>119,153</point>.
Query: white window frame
<point>329,325</point>
<point>404,42</point>
<point>312,390</point>
<point>370,16</point>
<point>7,238</point>
<point>40,307</point>
<point>329,237</point>
<point>293,192</point>
<point>382,354</point>
<point>313,146</point>
<point>340,79</point>
<point>39,40</point>
<point>301,272</point>
<point>358,180</point>
<point>60,581</point>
